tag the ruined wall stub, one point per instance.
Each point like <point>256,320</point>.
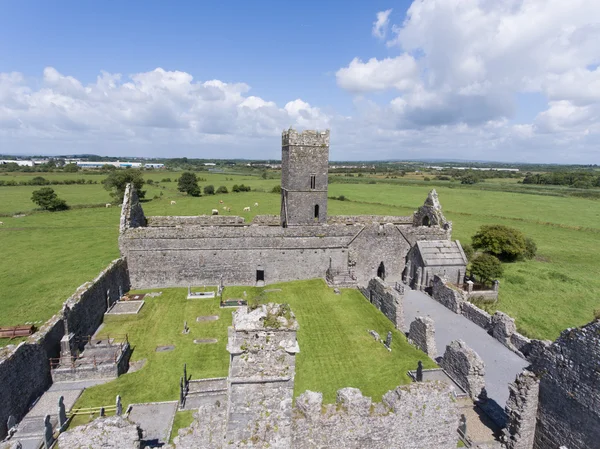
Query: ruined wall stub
<point>422,335</point>
<point>569,405</point>
<point>521,409</point>
<point>466,367</point>
<point>304,171</point>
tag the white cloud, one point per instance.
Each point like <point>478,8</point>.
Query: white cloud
<point>400,73</point>
<point>380,25</point>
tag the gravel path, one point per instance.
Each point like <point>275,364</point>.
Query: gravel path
<point>501,364</point>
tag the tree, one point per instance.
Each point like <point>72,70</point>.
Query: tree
<point>276,189</point>
<point>222,189</point>
<point>486,268</point>
<point>71,168</point>
<point>468,250</point>
<point>47,199</point>
<point>117,180</point>
<point>530,248</point>
<point>209,190</point>
<point>501,241</point>
<point>188,183</point>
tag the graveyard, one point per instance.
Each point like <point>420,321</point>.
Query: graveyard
<point>336,349</point>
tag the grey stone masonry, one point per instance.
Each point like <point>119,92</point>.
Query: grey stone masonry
<point>450,297</point>
<point>262,343</point>
<point>304,172</point>
<point>416,416</point>
<point>132,214</point>
<point>569,406</point>
<point>386,299</point>
<point>108,433</point>
<point>422,335</point>
<point>430,214</point>
<point>521,409</point>
<point>502,328</point>
<point>466,367</point>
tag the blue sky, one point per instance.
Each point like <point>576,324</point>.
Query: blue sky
<point>434,78</point>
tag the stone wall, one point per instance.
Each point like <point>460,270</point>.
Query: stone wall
<point>25,369</point>
<point>569,406</point>
<point>422,335</point>
<point>386,299</point>
<point>132,214</point>
<point>466,367</point>
<point>521,409</point>
<point>91,300</point>
<point>415,416</point>
<point>200,220</point>
<point>476,315</point>
<point>446,295</point>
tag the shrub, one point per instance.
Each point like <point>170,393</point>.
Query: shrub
<point>188,183</point>
<point>47,199</point>
<point>241,188</point>
<point>165,180</point>
<point>486,268</point>
<point>501,241</point>
<point>530,248</point>
<point>426,178</point>
<point>222,189</point>
<point>71,168</point>
<point>276,189</point>
<point>469,251</point>
<point>209,190</point>
<point>341,198</point>
<point>39,181</point>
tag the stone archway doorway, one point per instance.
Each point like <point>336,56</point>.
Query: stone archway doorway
<point>381,271</point>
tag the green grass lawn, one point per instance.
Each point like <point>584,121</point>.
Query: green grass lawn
<point>46,256</point>
<point>335,349</point>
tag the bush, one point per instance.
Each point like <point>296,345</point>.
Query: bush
<point>241,188</point>
<point>469,251</point>
<point>47,199</point>
<point>117,180</point>
<point>71,168</point>
<point>39,181</point>
<point>165,180</point>
<point>276,189</point>
<point>426,178</point>
<point>530,248</point>
<point>222,189</point>
<point>501,241</point>
<point>209,190</point>
<point>486,268</point>
<point>341,198</point>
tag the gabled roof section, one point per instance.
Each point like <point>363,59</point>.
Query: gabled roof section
<point>437,253</point>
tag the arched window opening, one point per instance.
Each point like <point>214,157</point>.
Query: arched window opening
<point>426,221</point>
<point>381,271</point>
<point>316,212</point>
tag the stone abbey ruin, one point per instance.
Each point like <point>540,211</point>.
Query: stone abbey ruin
<point>554,402</point>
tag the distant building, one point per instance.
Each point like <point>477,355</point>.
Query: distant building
<point>20,163</point>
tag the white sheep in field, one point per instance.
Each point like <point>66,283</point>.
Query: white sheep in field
<point>224,207</point>
<point>215,212</point>
<point>255,204</point>
<point>108,205</point>
<point>229,209</point>
<point>1,222</point>
<point>247,209</point>
<point>173,202</point>
<point>221,201</point>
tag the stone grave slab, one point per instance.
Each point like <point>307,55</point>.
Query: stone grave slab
<point>165,348</point>
<point>205,341</point>
<point>125,308</point>
<point>156,420</point>
<point>203,319</point>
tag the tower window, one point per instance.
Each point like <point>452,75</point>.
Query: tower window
<point>313,181</point>
<point>316,212</point>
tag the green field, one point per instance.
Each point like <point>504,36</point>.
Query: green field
<point>336,350</point>
<point>46,256</point>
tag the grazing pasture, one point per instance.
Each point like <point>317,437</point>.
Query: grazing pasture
<point>45,256</point>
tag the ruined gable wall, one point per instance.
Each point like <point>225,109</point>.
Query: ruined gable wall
<point>569,406</point>
<point>132,214</point>
<point>385,299</point>
<point>416,416</point>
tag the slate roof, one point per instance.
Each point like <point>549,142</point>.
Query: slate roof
<point>441,253</point>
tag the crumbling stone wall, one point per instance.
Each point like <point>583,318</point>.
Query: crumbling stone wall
<point>114,432</point>
<point>415,416</point>
<point>422,335</point>
<point>90,301</point>
<point>25,369</point>
<point>476,315</point>
<point>448,296</point>
<point>132,214</point>
<point>521,409</point>
<point>569,400</point>
<point>466,367</point>
<point>386,299</point>
<point>430,215</point>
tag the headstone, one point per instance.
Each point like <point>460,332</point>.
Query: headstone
<point>62,413</point>
<point>186,329</point>
<point>11,422</point>
<point>462,426</point>
<point>66,312</point>
<point>388,340</point>
<point>185,373</point>
<point>102,412</point>
<point>336,291</point>
<point>119,411</point>
<point>48,433</point>
<point>420,371</point>
<point>245,293</point>
<point>181,393</point>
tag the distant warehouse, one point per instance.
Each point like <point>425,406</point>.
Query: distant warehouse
<point>118,164</point>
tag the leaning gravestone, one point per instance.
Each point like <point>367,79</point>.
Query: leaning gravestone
<point>119,410</point>
<point>420,371</point>
<point>388,340</point>
<point>48,433</point>
<point>62,413</point>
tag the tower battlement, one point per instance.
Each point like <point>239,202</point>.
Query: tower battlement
<point>305,138</point>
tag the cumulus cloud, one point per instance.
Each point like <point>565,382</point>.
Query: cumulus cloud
<point>466,62</point>
<point>380,25</point>
<point>155,108</point>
